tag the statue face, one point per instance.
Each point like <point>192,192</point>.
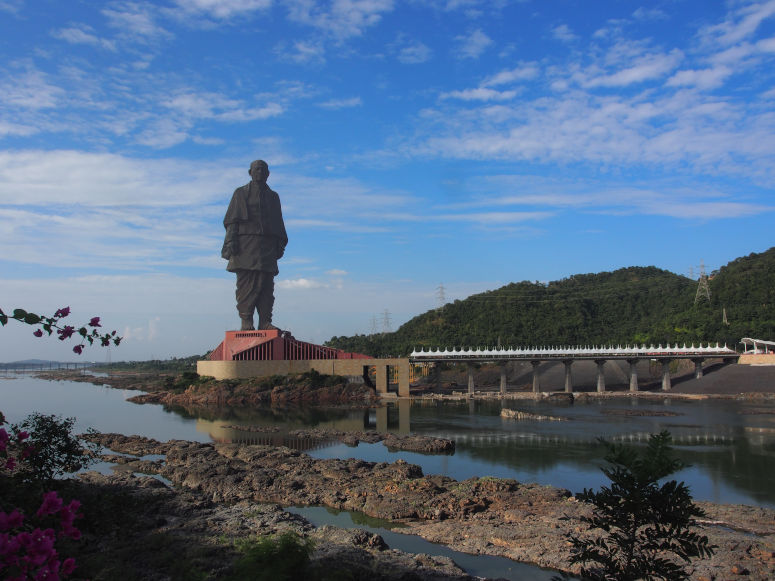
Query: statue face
<point>259,171</point>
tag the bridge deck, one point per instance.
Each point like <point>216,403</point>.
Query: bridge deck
<point>574,353</point>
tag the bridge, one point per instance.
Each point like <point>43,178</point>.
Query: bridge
<point>600,355</point>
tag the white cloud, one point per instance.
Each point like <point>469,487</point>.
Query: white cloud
<point>135,21</point>
<point>343,103</point>
<point>480,94</point>
<point>223,9</point>
<point>564,33</point>
<point>645,68</point>
<point>302,52</point>
<point>340,19</point>
<point>415,53</point>
<point>702,79</point>
<point>83,34</point>
<point>524,72</point>
<point>740,23</point>
<point>30,90</point>
<point>336,272</point>
<point>649,14</point>
<point>300,283</point>
<point>473,44</point>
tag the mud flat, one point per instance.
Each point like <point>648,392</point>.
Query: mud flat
<point>524,522</point>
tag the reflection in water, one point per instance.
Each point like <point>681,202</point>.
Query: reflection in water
<point>730,443</point>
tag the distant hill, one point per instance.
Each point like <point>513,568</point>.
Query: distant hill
<point>626,306</point>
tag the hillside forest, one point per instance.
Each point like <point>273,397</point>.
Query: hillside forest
<point>628,306</point>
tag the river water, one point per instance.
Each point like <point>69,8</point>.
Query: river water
<point>729,444</point>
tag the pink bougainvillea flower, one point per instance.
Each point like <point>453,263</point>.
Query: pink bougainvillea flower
<point>10,464</point>
<point>78,349</point>
<point>68,566</point>
<point>38,333</point>
<point>63,312</point>
<point>95,322</point>
<point>66,333</point>
<point>11,521</point>
<point>51,504</point>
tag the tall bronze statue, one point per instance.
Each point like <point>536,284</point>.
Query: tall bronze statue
<point>255,241</point>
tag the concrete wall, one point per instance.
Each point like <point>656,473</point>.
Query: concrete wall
<point>245,369</point>
<point>757,359</point>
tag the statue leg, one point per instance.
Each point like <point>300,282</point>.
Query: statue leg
<point>247,296</point>
<point>266,301</point>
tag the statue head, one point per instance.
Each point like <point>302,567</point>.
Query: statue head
<point>259,171</point>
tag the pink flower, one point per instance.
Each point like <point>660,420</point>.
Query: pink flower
<point>68,566</point>
<point>38,333</point>
<point>10,463</point>
<point>11,521</point>
<point>63,312</point>
<point>51,504</point>
<point>66,333</point>
<point>78,349</point>
<point>21,436</point>
<point>95,322</point>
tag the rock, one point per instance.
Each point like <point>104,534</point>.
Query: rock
<point>523,415</point>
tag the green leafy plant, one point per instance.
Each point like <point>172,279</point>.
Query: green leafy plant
<point>49,324</point>
<point>641,528</point>
<point>55,451</point>
<point>283,557</point>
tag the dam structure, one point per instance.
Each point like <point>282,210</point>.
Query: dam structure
<point>599,354</point>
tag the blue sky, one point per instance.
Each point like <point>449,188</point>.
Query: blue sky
<point>414,143</point>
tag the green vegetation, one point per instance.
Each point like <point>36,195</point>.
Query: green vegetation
<point>641,529</point>
<point>283,557</point>
<point>627,306</point>
<point>55,451</point>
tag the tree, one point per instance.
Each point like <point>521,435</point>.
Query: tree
<point>640,529</point>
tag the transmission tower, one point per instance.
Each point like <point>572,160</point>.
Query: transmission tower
<point>373,324</point>
<point>442,298</point>
<point>703,290</point>
<point>386,323</point>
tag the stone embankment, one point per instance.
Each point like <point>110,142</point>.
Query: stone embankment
<point>525,522</point>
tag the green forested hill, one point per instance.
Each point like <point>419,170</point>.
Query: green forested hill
<point>630,305</point>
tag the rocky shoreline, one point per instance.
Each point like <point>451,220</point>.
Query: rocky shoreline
<point>524,522</point>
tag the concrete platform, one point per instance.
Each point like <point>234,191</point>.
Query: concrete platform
<point>347,367</point>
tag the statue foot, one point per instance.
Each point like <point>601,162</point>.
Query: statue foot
<point>247,325</point>
<point>268,327</point>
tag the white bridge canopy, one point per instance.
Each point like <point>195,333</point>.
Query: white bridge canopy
<point>757,345</point>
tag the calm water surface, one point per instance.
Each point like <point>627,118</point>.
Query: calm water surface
<point>729,444</point>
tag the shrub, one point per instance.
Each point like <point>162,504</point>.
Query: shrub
<point>283,557</point>
<point>644,526</point>
<point>55,450</point>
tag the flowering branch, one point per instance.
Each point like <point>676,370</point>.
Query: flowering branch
<point>87,332</point>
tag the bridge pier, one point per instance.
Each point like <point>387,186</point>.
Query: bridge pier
<point>666,385</point>
<point>503,378</point>
<point>536,380</point>
<point>600,375</point>
<point>698,367</point>
<point>633,374</point>
<point>568,378</point>
<point>470,369</point>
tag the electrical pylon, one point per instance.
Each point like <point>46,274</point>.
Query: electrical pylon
<point>703,290</point>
